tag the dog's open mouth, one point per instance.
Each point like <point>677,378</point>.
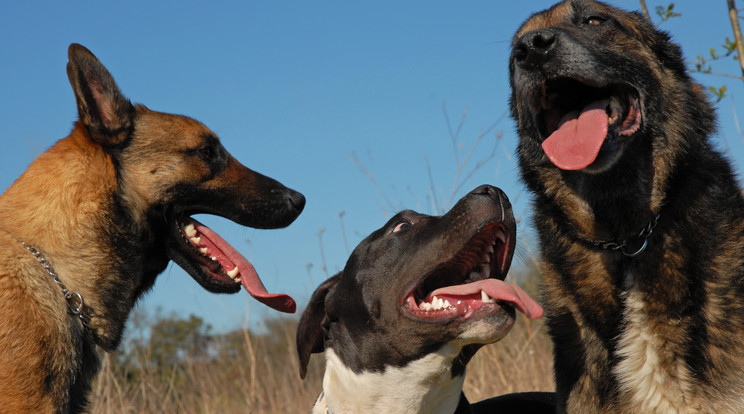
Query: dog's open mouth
<point>225,266</point>
<point>580,120</point>
<point>470,282</point>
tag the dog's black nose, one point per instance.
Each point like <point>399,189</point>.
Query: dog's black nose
<point>486,189</point>
<point>297,200</point>
<point>535,48</point>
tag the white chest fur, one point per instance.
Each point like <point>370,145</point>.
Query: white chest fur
<point>651,380</point>
<point>423,386</point>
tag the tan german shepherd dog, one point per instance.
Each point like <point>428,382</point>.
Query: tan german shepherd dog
<point>640,218</point>
<point>91,223</point>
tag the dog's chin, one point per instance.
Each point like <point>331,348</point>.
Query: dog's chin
<point>488,325</point>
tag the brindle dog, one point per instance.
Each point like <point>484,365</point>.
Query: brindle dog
<point>640,218</point>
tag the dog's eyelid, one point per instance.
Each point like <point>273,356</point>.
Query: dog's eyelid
<point>595,20</point>
<point>402,226</point>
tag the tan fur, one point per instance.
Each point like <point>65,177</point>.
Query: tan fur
<point>101,206</point>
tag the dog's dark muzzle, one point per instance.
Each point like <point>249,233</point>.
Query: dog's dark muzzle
<point>535,48</point>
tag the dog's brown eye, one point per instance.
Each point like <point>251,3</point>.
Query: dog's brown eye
<point>595,21</point>
<point>206,152</point>
<point>403,226</point>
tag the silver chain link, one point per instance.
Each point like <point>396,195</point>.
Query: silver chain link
<point>75,302</point>
<point>643,235</point>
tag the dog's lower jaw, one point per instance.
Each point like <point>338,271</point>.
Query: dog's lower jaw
<point>422,386</point>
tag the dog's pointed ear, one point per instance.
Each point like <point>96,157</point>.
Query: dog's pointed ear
<point>106,113</point>
<point>310,330</point>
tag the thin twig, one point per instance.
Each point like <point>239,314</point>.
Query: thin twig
<point>734,17</point>
<point>645,10</point>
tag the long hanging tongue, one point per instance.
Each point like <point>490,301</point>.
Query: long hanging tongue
<point>248,277</point>
<point>496,289</point>
<point>576,142</point>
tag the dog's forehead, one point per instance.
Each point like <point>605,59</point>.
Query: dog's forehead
<point>563,13</point>
<point>171,130</point>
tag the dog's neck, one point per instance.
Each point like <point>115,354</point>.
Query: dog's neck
<point>71,243</point>
<point>422,386</point>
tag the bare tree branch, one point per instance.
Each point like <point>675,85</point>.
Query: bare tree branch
<point>734,17</point>
<point>645,10</point>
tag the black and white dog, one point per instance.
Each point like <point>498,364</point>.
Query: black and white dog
<point>416,300</point>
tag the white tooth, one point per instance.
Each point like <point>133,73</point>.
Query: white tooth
<point>204,250</point>
<point>447,304</point>
<point>485,298</point>
<point>234,272</point>
<point>237,280</point>
<point>501,236</point>
<point>425,306</point>
<point>196,240</point>
<point>189,230</point>
<point>214,258</point>
<point>486,272</point>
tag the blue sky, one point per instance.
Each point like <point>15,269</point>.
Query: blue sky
<point>294,89</point>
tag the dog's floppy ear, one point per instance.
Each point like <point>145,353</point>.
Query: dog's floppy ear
<point>106,113</point>
<point>310,330</point>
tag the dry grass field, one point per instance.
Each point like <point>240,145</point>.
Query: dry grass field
<point>258,373</point>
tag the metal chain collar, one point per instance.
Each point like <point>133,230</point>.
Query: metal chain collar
<point>643,235</point>
<point>75,302</point>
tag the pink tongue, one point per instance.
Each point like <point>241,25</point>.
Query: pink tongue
<point>248,276</point>
<point>576,143</point>
<point>499,291</point>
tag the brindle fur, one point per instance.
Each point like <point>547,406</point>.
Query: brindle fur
<point>99,205</point>
<point>661,332</point>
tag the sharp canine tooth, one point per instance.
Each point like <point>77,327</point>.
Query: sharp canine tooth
<point>189,230</point>
<point>501,236</point>
<point>234,272</point>
<point>485,298</point>
<point>615,109</point>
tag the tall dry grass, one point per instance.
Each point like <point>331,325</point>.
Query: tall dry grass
<point>263,376</point>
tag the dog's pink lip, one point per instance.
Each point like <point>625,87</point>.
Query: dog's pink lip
<point>220,251</point>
